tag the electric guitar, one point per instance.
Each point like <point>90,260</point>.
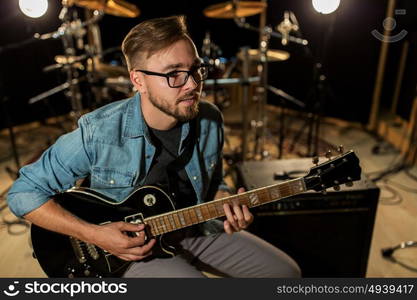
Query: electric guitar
<point>65,256</point>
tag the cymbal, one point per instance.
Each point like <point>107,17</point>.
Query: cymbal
<point>119,8</point>
<point>226,10</point>
<point>272,55</point>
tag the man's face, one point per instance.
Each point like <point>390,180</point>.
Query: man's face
<point>180,103</point>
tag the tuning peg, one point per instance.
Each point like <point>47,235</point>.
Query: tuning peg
<point>340,149</point>
<point>336,187</point>
<point>329,154</point>
<point>316,160</point>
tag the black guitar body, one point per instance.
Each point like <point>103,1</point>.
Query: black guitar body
<point>63,256</point>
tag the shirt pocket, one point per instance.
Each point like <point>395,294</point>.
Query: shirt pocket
<point>110,178</point>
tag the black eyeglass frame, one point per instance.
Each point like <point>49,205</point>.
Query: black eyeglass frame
<point>169,74</point>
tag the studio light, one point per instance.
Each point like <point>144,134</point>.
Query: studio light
<point>33,8</point>
<point>326,6</point>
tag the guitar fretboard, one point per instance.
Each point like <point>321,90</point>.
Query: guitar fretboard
<point>189,216</point>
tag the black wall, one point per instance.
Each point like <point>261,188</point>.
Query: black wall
<point>349,60</point>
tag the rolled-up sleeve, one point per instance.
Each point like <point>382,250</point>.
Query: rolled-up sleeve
<point>55,171</point>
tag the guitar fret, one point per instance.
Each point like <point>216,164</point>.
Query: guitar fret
<point>199,214</point>
<point>182,220</point>
<point>161,225</point>
<point>177,220</point>
<point>275,192</point>
<point>193,216</point>
<point>172,222</point>
<point>212,210</point>
<point>167,224</point>
<point>187,217</point>
<point>205,212</point>
<point>154,228</point>
<point>219,208</point>
<point>264,195</point>
<point>244,200</point>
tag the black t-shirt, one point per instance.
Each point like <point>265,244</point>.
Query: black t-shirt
<point>168,167</point>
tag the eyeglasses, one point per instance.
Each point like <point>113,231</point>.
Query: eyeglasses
<point>177,79</point>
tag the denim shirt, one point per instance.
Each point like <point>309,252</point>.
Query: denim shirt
<point>112,145</point>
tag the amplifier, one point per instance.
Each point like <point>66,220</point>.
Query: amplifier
<point>329,235</point>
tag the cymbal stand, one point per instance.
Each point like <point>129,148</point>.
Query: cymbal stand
<point>245,99</point>
<point>261,125</point>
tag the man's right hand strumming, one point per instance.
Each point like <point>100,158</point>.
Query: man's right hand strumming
<point>114,238</point>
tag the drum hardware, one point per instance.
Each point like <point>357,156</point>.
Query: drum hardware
<point>57,89</point>
<point>265,33</point>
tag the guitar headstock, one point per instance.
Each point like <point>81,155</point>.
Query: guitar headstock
<point>343,169</point>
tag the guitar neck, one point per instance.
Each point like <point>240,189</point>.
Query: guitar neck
<point>189,216</point>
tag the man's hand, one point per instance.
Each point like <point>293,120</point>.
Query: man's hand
<point>113,238</point>
<point>238,216</point>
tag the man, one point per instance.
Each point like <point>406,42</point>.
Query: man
<point>162,136</point>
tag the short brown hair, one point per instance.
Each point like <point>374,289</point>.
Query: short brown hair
<point>150,36</point>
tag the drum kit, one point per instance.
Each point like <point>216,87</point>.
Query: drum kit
<point>261,57</point>
<point>83,61</point>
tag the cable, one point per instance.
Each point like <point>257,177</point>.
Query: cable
<point>401,186</point>
<point>394,199</point>
<point>409,174</point>
<point>387,253</point>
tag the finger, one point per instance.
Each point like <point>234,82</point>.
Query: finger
<point>142,251</point>
<point>247,215</point>
<point>241,190</point>
<point>230,217</point>
<point>124,226</point>
<point>239,216</point>
<point>227,227</point>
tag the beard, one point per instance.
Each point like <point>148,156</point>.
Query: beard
<point>182,114</point>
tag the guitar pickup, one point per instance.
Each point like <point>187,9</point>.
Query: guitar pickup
<point>135,219</point>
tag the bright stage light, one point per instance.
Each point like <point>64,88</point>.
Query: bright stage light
<point>326,6</point>
<point>33,8</point>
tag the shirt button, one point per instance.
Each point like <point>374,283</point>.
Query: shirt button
<point>212,165</point>
<point>111,181</point>
<point>195,178</point>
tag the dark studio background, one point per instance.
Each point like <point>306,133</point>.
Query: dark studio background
<point>349,57</point>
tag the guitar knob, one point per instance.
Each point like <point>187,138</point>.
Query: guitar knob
<point>336,187</point>
<point>329,154</point>
<point>316,160</point>
<point>349,183</point>
<point>340,149</point>
<point>324,192</point>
